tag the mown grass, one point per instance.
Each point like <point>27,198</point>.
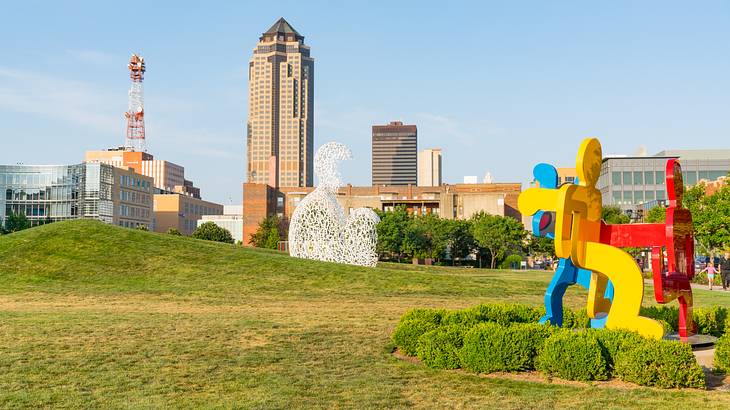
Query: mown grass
<point>98,316</point>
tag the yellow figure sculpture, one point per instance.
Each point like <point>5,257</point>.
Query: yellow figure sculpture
<point>577,236</point>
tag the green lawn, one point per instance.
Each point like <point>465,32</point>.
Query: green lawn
<point>93,315</point>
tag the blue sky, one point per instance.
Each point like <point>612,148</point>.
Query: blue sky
<point>499,86</point>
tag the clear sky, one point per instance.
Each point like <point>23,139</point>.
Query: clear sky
<point>498,86</point>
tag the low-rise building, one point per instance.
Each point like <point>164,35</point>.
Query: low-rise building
<point>49,193</point>
<point>630,182</point>
<point>231,219</point>
<point>167,176</point>
<point>459,201</point>
<point>182,212</point>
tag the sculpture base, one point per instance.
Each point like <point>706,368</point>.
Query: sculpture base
<point>696,341</point>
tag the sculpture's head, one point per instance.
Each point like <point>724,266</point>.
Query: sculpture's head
<point>326,160</point>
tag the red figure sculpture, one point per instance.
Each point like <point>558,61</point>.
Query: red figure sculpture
<point>675,237</point>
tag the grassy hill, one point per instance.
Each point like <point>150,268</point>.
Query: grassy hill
<point>96,315</point>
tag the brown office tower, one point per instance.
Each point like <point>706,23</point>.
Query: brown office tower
<point>395,154</point>
<point>280,128</point>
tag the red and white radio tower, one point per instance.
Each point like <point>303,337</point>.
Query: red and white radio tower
<point>135,114</point>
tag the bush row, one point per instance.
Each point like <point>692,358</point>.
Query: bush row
<point>710,321</point>
<point>505,337</point>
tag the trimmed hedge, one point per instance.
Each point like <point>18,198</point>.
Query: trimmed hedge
<point>491,347</point>
<point>710,321</point>
<point>439,348</point>
<point>506,337</point>
<point>722,354</point>
<point>412,325</point>
<point>573,356</point>
<point>660,363</point>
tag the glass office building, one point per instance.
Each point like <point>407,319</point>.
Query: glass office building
<point>49,193</point>
<point>632,183</point>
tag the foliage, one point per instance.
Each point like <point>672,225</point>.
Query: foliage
<point>576,319</point>
<point>174,231</point>
<point>16,222</point>
<point>660,363</point>
<point>541,246</point>
<point>511,262</point>
<point>573,356</point>
<point>615,342</point>
<point>391,231</point>
<point>439,348</point>
<point>211,232</point>
<point>425,237</point>
<point>498,235</point>
<point>711,321</point>
<point>271,230</point>
<point>657,214</point>
<point>505,313</point>
<point>459,239</point>
<point>722,354</point>
<point>712,220</point>
<point>491,347</point>
<point>613,215</point>
<point>412,326</point>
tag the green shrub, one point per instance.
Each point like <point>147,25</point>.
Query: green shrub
<point>660,363</point>
<point>711,321</point>
<point>576,319</point>
<point>616,342</point>
<point>668,314</point>
<point>412,325</point>
<point>722,354</point>
<point>511,262</point>
<point>440,347</point>
<point>573,355</point>
<point>505,313</point>
<point>491,347</point>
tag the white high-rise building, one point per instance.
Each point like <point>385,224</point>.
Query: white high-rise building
<point>429,167</point>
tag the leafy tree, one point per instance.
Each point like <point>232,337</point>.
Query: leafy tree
<point>613,215</point>
<point>174,231</point>
<point>271,230</point>
<point>16,222</point>
<point>712,220</point>
<point>459,239</point>
<point>426,237</point>
<point>541,246</point>
<point>391,231</point>
<point>498,235</point>
<point>656,215</point>
<point>212,232</point>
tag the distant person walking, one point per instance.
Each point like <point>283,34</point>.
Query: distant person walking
<point>711,271</point>
<point>725,270</point>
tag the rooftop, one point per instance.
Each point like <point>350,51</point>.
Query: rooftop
<point>283,27</point>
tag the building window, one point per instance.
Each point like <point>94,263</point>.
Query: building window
<point>638,178</point>
<point>617,197</point>
<point>616,178</point>
<point>628,197</point>
<point>649,178</point>
<point>659,178</point>
<point>627,178</point>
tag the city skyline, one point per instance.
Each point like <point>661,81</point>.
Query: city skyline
<point>625,73</point>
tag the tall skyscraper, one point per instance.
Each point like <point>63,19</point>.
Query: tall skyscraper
<point>395,150</point>
<point>429,167</point>
<point>280,129</point>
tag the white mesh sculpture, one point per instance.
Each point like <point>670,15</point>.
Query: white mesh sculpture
<point>318,228</point>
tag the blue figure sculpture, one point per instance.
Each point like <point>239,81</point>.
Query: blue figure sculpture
<point>566,274</point>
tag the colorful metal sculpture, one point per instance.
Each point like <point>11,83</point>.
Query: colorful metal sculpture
<point>577,210</point>
<point>675,238</point>
<point>566,274</point>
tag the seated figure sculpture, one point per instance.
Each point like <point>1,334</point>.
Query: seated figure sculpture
<point>319,229</point>
<point>577,210</point>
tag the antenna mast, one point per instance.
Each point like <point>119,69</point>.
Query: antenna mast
<point>135,114</point>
